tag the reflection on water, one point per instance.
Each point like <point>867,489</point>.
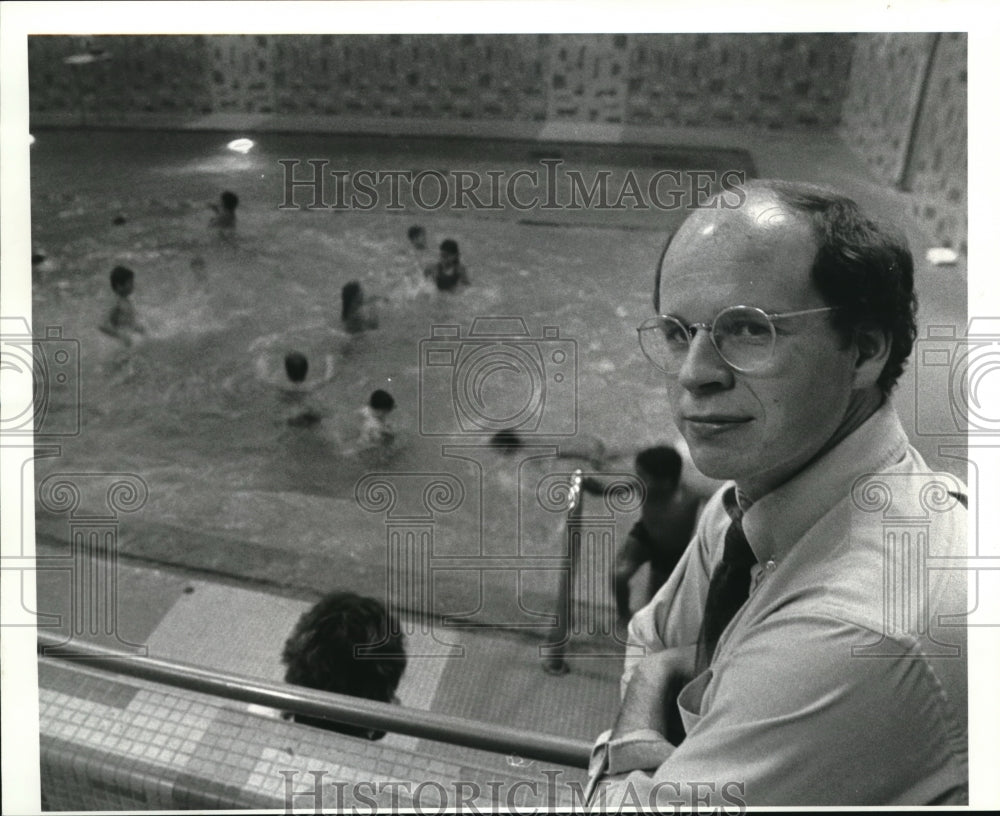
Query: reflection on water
<point>196,408</point>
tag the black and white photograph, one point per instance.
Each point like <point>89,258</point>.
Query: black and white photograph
<point>465,407</point>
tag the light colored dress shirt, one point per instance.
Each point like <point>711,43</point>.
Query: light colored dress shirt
<point>842,680</point>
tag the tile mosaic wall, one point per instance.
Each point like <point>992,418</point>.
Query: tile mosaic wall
<point>938,167</point>
<point>911,132</point>
<point>777,81</point>
<point>127,74</point>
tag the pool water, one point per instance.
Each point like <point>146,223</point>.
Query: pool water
<point>196,407</point>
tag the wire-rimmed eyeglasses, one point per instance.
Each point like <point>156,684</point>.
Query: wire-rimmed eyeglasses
<point>744,337</point>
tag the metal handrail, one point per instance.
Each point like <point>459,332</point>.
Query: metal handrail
<point>326,705</point>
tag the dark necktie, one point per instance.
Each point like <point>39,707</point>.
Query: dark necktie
<point>729,587</point>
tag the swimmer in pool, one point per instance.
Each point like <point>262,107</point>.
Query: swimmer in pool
<point>448,273</point>
<point>121,322</point>
<point>376,430</point>
<point>299,413</point>
<point>225,213</point>
<point>356,314</point>
<point>417,236</point>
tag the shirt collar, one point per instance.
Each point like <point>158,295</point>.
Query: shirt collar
<point>777,520</point>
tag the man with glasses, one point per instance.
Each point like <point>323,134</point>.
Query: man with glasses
<point>778,665</point>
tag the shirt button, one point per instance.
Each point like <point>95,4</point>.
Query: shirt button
<point>770,565</point>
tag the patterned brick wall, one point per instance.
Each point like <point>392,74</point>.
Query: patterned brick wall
<point>777,81</point>
<point>130,74</point>
<point>588,78</point>
<point>911,133</point>
<point>938,169</point>
<point>886,76</point>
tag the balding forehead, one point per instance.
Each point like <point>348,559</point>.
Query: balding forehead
<point>760,214</point>
<point>738,252</point>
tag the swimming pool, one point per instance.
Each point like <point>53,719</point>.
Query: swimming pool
<point>195,409</point>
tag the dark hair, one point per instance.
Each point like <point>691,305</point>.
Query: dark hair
<point>347,644</point>
<point>351,297</point>
<point>450,246</point>
<point>506,440</point>
<point>414,231</point>
<point>121,275</point>
<point>296,366</point>
<point>381,400</point>
<point>230,200</point>
<point>661,463</point>
<point>862,268</point>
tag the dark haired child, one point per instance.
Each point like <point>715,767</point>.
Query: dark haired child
<point>225,212</point>
<point>299,413</point>
<point>346,644</point>
<point>121,322</point>
<point>448,273</point>
<point>376,430</point>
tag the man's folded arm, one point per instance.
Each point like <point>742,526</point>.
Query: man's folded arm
<point>791,718</point>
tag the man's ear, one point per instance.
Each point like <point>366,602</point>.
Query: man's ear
<point>872,346</point>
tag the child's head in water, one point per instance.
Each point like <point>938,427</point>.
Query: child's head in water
<point>417,236</point>
<point>229,201</point>
<point>351,299</point>
<point>449,252</point>
<point>296,366</point>
<point>381,402</point>
<point>122,281</point>
<point>347,644</point>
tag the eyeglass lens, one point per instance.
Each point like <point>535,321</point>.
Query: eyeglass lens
<point>744,338</point>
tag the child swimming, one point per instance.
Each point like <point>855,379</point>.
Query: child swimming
<point>448,273</point>
<point>356,315</point>
<point>376,431</point>
<point>121,322</point>
<point>225,212</point>
<point>417,237</point>
<point>299,413</point>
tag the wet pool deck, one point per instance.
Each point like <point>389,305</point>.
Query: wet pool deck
<point>229,626</point>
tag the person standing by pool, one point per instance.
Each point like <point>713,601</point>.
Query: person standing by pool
<point>448,273</point>
<point>660,536</point>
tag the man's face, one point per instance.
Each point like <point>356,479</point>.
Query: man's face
<point>757,428</point>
